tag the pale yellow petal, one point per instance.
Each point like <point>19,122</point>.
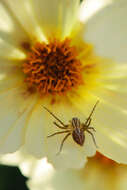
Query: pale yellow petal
<point>56,180</point>
<point>118,85</point>
<point>10,29</point>
<point>15,106</point>
<point>10,74</point>
<point>24,13</point>
<point>90,7</point>
<point>12,159</point>
<point>117,99</point>
<point>112,144</point>
<point>37,172</point>
<point>41,125</point>
<point>13,139</point>
<point>111,70</point>
<point>27,163</point>
<point>111,127</point>
<point>107,31</point>
<point>35,140</point>
<point>8,51</point>
<point>110,121</point>
<point>99,173</point>
<point>111,116</point>
<point>57,15</point>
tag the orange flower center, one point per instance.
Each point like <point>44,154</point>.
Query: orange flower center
<point>53,67</point>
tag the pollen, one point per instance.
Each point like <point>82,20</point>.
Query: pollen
<point>53,68</point>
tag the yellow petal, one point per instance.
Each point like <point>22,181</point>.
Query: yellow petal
<point>90,7</point>
<point>118,85</point>
<point>99,173</point>
<point>110,124</point>
<point>10,29</point>
<point>41,125</point>
<point>107,31</point>
<point>112,97</point>
<point>25,15</point>
<point>57,15</point>
<point>112,144</point>
<point>15,106</point>
<point>8,51</point>
<point>10,74</point>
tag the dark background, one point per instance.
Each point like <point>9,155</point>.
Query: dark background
<point>11,179</point>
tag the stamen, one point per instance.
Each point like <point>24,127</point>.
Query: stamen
<point>53,67</point>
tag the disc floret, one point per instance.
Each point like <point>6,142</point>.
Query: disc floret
<point>53,67</point>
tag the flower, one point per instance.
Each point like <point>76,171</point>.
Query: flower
<point>47,60</point>
<point>99,173</point>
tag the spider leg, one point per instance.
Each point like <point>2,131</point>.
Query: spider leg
<point>60,126</point>
<point>92,129</point>
<point>57,133</point>
<point>88,122</point>
<point>89,118</point>
<point>54,116</point>
<point>61,146</point>
<point>92,138</point>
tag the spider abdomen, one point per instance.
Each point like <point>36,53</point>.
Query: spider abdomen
<point>78,136</point>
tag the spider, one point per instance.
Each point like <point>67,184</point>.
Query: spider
<point>74,128</point>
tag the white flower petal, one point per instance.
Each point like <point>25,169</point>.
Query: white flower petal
<point>10,30</point>
<point>37,143</point>
<point>57,180</point>
<point>23,11</point>
<point>15,107</point>
<point>56,15</point>
<point>71,156</point>
<point>33,167</point>
<point>90,7</point>
<point>114,118</point>
<point>100,173</point>
<point>13,138</point>
<point>9,51</point>
<point>107,31</point>
<point>111,131</point>
<point>10,74</point>
<point>114,72</point>
<point>112,146</point>
<point>27,163</point>
<point>110,120</point>
<point>118,85</point>
<point>114,87</point>
<point>12,159</point>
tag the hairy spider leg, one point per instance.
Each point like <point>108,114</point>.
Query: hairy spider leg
<point>88,120</point>
<point>59,126</point>
<point>92,137</point>
<point>61,146</point>
<point>91,128</point>
<point>60,132</point>
<point>54,116</point>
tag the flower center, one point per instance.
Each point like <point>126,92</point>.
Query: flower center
<point>53,67</point>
